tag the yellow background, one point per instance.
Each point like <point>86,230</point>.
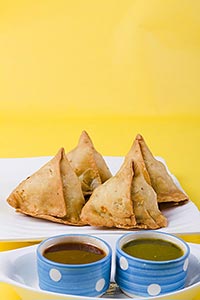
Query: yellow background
<point>112,67</point>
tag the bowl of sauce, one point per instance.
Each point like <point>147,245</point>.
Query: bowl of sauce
<point>74,264</point>
<point>151,263</point>
<point>74,253</point>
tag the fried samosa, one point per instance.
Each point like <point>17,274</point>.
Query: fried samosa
<point>136,154</point>
<point>159,178</point>
<point>125,200</point>
<point>88,164</point>
<point>53,193</point>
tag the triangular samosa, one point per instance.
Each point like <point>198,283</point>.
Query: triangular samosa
<point>125,200</point>
<point>88,164</point>
<point>53,192</point>
<point>136,155</point>
<point>161,181</point>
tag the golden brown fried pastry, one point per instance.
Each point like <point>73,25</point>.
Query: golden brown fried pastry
<point>161,181</point>
<point>135,154</point>
<point>145,203</point>
<point>88,164</point>
<point>53,192</point>
<point>126,200</point>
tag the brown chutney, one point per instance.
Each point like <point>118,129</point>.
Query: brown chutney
<point>74,253</point>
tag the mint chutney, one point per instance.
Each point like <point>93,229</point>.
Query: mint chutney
<point>152,249</point>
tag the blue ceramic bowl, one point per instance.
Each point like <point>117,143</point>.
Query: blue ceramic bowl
<point>142,277</point>
<point>91,279</point>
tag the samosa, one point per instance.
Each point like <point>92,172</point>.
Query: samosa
<point>135,154</point>
<point>125,200</point>
<point>88,164</point>
<point>53,193</point>
<point>158,176</point>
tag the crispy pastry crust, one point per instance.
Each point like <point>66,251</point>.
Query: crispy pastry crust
<point>125,201</point>
<point>88,164</point>
<point>53,193</point>
<point>161,181</point>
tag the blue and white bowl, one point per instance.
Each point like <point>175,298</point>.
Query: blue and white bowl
<point>91,279</point>
<point>147,278</point>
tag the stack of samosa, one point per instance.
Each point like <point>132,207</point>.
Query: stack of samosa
<point>78,188</point>
<point>125,201</point>
<point>130,198</point>
<point>60,188</point>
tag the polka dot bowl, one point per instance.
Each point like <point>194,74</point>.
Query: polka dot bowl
<point>90,279</point>
<point>149,278</point>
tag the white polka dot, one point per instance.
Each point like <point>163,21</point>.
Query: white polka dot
<point>100,284</point>
<point>154,289</point>
<point>185,266</point>
<point>55,275</point>
<point>123,263</point>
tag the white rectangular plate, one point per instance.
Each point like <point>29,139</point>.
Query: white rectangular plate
<point>14,226</point>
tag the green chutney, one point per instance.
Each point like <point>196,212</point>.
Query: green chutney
<point>152,249</point>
